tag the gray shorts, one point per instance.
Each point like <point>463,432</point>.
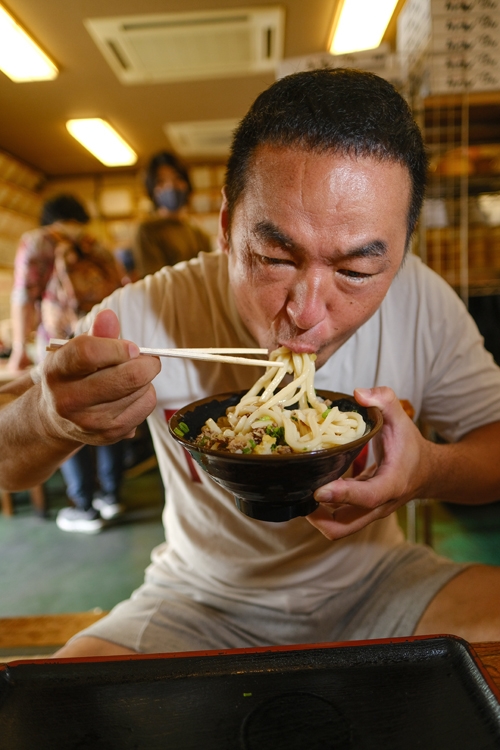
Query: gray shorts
<point>387,603</point>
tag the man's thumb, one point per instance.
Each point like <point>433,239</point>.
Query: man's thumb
<point>105,325</point>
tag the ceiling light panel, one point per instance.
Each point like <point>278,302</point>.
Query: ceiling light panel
<point>361,24</point>
<point>21,59</point>
<point>187,46</point>
<point>98,137</point>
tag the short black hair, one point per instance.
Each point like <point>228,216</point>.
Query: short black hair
<point>344,111</point>
<point>164,158</point>
<point>63,207</point>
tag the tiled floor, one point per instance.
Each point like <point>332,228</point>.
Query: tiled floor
<point>44,570</point>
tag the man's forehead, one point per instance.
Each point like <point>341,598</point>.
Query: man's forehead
<point>274,160</point>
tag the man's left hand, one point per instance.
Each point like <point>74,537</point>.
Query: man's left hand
<point>399,475</point>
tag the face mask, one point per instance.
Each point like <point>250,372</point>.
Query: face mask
<point>171,198</point>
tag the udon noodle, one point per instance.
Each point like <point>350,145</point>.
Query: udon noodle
<point>263,422</point>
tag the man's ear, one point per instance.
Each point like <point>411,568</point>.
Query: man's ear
<point>223,233</point>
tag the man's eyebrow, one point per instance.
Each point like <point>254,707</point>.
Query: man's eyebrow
<point>375,249</point>
<point>269,232</point>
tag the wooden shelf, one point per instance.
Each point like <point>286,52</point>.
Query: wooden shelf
<point>442,117</point>
<point>476,99</point>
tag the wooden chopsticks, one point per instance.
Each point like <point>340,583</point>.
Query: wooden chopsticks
<point>211,354</point>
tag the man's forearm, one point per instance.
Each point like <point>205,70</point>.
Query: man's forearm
<point>30,453</point>
<point>466,472</point>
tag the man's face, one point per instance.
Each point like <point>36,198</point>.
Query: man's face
<point>315,242</point>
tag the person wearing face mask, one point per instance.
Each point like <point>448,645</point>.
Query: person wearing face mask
<point>167,237</point>
<point>60,273</point>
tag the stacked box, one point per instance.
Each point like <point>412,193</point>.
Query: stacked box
<point>392,67</point>
<point>465,46</point>
<point>414,28</point>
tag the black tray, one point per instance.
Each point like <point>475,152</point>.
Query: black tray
<point>426,693</point>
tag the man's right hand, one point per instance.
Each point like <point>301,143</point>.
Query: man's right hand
<point>97,388</point>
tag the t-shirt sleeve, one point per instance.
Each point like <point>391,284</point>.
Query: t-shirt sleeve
<point>462,390</point>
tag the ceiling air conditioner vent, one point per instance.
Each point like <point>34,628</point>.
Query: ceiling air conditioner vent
<point>186,46</point>
<point>203,138</point>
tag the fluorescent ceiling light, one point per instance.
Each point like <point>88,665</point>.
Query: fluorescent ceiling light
<point>102,141</point>
<point>21,59</point>
<point>361,24</point>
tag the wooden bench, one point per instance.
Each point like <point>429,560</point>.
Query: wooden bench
<point>40,635</point>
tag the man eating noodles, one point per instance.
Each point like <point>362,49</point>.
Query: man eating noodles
<point>323,190</point>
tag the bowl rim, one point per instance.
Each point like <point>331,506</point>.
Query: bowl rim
<point>373,411</point>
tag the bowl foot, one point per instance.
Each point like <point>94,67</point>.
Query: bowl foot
<point>276,512</point>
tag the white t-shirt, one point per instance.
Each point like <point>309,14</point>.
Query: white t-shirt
<point>421,342</point>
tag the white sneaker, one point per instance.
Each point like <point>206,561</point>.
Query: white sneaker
<point>84,521</point>
<point>108,506</point>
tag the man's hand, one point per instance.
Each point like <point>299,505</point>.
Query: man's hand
<point>96,389</point>
<point>400,474</point>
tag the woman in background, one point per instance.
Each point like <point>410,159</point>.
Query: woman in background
<point>60,273</point>
<point>168,237</point>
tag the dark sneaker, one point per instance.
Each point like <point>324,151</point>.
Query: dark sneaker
<point>85,521</point>
<point>108,506</point>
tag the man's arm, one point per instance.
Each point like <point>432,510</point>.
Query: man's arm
<point>28,455</point>
<point>96,390</point>
<point>24,321</point>
<point>408,467</point>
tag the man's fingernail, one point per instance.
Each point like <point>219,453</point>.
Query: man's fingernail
<point>133,350</point>
<point>323,496</point>
<point>364,392</point>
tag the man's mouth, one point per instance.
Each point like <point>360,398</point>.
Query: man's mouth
<point>300,347</point>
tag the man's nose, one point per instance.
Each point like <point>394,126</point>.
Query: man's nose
<point>308,300</point>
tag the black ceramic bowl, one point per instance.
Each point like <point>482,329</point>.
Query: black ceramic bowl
<point>271,487</point>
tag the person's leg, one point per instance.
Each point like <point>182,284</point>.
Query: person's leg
<point>467,606</point>
<point>109,460</point>
<point>389,601</point>
<point>172,622</point>
<point>78,474</point>
<point>89,646</point>
<point>110,467</point>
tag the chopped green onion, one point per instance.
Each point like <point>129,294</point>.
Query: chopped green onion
<point>265,418</point>
<point>183,426</point>
<point>246,450</point>
<point>252,443</point>
<point>276,432</point>
<point>178,432</point>
<point>325,413</point>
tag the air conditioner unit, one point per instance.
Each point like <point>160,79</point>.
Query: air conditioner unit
<point>185,46</point>
<point>210,138</point>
